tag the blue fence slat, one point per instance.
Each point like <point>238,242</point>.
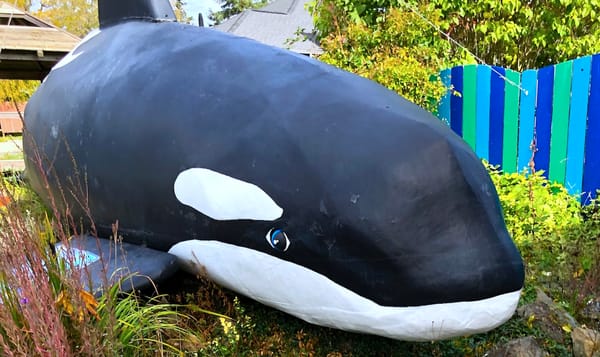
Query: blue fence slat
<point>580,91</point>
<point>496,96</point>
<point>591,169</point>
<point>526,117</point>
<point>444,106</point>
<point>482,146</point>
<point>543,118</point>
<point>456,101</point>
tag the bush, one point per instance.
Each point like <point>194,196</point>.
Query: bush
<point>538,213</point>
<point>557,236</point>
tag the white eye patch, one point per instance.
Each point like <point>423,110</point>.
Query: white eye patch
<point>224,198</point>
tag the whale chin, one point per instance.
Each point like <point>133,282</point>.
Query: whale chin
<point>316,299</point>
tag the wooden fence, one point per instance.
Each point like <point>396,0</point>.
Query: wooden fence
<point>498,112</point>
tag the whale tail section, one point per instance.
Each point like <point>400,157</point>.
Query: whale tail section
<point>112,12</point>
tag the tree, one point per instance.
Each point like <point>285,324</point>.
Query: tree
<point>76,16</point>
<point>398,50</point>
<point>524,34</point>
<point>234,7</point>
<point>21,4</point>
<point>17,91</point>
<point>511,33</point>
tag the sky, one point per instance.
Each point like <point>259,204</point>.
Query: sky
<point>193,7</point>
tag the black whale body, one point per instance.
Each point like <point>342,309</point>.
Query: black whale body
<point>377,194</point>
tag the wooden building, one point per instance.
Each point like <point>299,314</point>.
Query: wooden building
<point>30,47</point>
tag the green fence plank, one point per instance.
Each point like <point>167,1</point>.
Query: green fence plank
<point>560,121</point>
<point>511,121</point>
<point>470,105</point>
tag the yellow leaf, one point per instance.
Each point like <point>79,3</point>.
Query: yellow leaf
<point>63,301</point>
<point>566,328</point>
<point>90,303</point>
<point>530,320</point>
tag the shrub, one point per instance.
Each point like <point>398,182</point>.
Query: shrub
<point>558,238</point>
<point>537,212</point>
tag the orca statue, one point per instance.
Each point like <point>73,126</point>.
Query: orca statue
<point>302,186</point>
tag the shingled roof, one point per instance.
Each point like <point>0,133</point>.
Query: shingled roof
<point>277,24</point>
<point>30,47</point>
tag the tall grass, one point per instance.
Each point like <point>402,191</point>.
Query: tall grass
<point>46,308</point>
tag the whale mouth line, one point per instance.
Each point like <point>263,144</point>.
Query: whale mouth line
<point>312,297</point>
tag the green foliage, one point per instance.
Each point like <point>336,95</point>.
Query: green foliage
<point>11,156</point>
<point>524,34</point>
<point>558,238</point>
<point>234,7</point>
<point>540,216</point>
<point>514,34</point>
<point>535,209</point>
<point>400,52</point>
<point>139,328</point>
<point>16,90</point>
<point>17,196</point>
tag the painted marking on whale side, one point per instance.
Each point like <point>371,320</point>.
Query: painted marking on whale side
<point>319,300</point>
<point>74,257</point>
<point>223,197</point>
<point>72,56</point>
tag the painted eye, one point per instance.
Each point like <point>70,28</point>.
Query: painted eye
<point>277,239</point>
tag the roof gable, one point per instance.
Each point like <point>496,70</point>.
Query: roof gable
<point>282,23</point>
<point>29,46</point>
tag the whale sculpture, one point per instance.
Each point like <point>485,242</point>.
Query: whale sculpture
<point>305,187</point>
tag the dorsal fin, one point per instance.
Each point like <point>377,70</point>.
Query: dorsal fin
<point>111,12</point>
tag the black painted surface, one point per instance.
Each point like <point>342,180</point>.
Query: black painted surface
<point>112,12</point>
<point>378,195</point>
<point>136,267</point>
